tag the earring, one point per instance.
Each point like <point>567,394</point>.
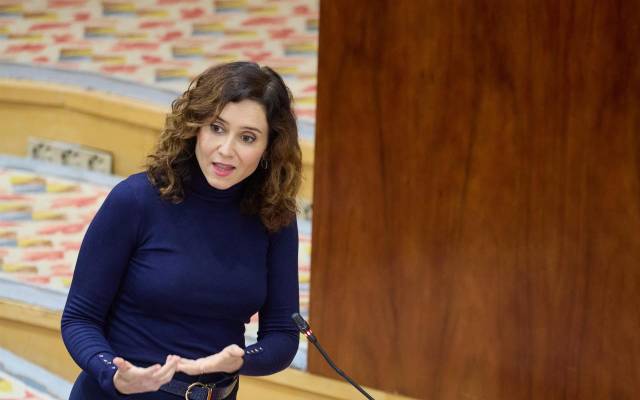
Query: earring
<point>264,163</point>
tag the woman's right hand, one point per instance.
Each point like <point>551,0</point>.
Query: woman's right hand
<point>131,379</point>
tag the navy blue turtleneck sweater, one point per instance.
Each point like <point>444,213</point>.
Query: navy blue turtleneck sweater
<point>155,278</point>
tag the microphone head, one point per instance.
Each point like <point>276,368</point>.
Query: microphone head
<point>300,322</point>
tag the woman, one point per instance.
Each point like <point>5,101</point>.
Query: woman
<point>179,258</point>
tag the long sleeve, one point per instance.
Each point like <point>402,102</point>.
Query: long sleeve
<point>102,262</point>
<point>278,336</point>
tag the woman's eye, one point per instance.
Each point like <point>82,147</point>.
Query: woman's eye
<point>215,128</point>
<point>248,138</point>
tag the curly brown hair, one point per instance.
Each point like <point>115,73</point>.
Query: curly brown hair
<point>269,193</point>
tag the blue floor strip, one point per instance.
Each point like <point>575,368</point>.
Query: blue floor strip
<point>34,376</point>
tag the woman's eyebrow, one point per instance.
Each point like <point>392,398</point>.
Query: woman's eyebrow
<point>250,128</point>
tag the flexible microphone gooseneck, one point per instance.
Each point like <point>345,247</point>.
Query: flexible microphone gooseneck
<point>303,326</point>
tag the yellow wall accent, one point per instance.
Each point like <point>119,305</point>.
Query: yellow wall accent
<point>126,128</point>
<point>33,333</point>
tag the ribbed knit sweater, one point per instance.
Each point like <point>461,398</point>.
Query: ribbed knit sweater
<point>155,278</point>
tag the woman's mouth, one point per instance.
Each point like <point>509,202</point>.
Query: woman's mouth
<point>222,170</point>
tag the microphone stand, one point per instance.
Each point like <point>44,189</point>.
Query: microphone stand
<point>305,329</point>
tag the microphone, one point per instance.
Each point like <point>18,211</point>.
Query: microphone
<point>305,329</point>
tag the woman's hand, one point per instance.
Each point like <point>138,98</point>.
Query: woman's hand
<point>228,360</point>
<point>131,379</point>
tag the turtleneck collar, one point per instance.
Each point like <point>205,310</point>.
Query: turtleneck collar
<point>199,186</point>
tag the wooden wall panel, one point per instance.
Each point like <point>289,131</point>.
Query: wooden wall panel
<point>477,197</point>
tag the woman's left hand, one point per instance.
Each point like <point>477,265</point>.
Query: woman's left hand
<point>228,360</point>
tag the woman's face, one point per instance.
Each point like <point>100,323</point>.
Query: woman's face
<point>229,148</point>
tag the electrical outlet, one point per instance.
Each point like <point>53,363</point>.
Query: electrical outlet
<point>70,154</point>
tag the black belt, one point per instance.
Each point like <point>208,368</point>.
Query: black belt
<point>199,390</point>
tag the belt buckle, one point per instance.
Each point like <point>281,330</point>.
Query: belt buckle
<point>209,388</point>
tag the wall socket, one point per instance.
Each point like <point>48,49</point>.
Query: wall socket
<point>70,154</point>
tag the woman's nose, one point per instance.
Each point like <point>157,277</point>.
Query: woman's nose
<point>226,146</point>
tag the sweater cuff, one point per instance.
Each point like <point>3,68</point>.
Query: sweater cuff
<point>268,357</point>
<point>102,368</point>
<point>250,365</point>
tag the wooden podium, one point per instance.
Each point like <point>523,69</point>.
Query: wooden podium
<point>476,228</point>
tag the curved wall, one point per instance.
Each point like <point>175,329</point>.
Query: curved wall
<point>126,128</point>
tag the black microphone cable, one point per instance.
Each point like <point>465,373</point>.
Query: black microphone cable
<point>305,329</point>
